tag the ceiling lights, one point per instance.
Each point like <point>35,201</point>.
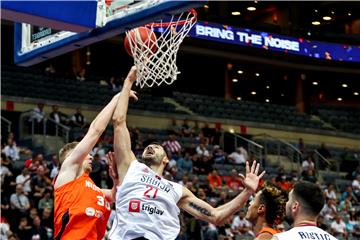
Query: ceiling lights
<point>267,100</point>
<point>344,85</point>
<point>236,13</point>
<point>315,23</point>
<point>253,93</point>
<point>315,83</point>
<point>240,72</point>
<point>339,99</point>
<point>257,74</point>
<point>235,80</point>
<point>238,98</point>
<point>356,93</point>
<point>267,87</point>
<point>327,18</point>
<point>251,8</point>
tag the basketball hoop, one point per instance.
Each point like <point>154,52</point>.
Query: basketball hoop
<point>157,67</point>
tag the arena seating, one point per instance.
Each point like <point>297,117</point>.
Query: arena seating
<point>341,117</point>
<point>247,111</point>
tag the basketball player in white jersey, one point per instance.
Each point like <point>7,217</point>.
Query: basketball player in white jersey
<point>147,205</point>
<point>304,205</point>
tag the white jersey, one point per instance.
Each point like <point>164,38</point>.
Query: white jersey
<point>146,206</point>
<point>305,233</point>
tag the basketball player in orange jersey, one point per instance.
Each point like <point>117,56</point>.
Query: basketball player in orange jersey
<point>81,208</point>
<point>147,205</point>
<point>267,209</point>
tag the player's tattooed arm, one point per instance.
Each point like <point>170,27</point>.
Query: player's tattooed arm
<point>200,209</point>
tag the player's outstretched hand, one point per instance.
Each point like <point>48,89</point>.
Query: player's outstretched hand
<point>112,168</point>
<point>131,75</point>
<point>251,181</point>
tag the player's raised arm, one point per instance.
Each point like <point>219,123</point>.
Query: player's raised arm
<point>202,210</point>
<point>69,168</point>
<point>122,142</point>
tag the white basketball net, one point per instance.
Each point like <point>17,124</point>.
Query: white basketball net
<point>154,68</point>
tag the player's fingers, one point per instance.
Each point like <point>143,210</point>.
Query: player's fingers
<point>247,167</point>
<point>253,166</point>
<point>262,174</point>
<point>242,177</point>
<point>257,169</point>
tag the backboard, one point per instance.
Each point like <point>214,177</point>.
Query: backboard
<point>37,43</point>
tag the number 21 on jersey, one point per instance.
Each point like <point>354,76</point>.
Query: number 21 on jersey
<point>150,192</point>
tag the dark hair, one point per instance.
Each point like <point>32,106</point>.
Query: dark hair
<point>275,200</point>
<point>310,196</point>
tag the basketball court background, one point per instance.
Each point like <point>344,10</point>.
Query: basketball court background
<point>240,87</point>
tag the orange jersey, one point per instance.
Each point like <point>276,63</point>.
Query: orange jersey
<point>267,230</point>
<point>81,210</point>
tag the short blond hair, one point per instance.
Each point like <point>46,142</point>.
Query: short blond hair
<point>64,151</point>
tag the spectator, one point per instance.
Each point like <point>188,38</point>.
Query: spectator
<point>185,164</point>
<point>24,230</point>
<point>308,164</point>
<point>346,204</point>
<point>234,182</point>
<point>37,118</point>
<point>78,119</point>
<point>11,150</point>
<point>81,75</point>
<point>54,168</point>
<point>301,145</point>
<point>309,176</point>
<point>206,165</point>
<point>208,132</point>
<point>356,186</point>
<point>19,202</point>
<point>329,210</point>
<point>329,192</point>
<point>349,191</point>
<point>4,170</point>
<point>240,226</point>
<point>46,201</point>
<point>40,183</point>
<point>202,151</point>
<point>350,226</point>
<point>37,161</point>
<point>186,129</point>
<point>324,151</point>
<point>4,229</point>
<point>172,145</point>
<point>195,130</point>
<point>24,179</point>
<point>47,218</point>
<point>284,184</point>
<point>239,156</point>
<point>115,84</point>
<point>338,227</point>
<point>218,154</point>
<point>355,173</point>
<point>38,230</point>
<point>191,149</point>
<point>214,180</point>
<point>58,117</point>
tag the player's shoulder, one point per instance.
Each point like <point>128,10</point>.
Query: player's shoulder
<point>303,233</point>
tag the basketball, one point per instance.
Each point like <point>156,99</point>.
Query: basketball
<point>141,36</point>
